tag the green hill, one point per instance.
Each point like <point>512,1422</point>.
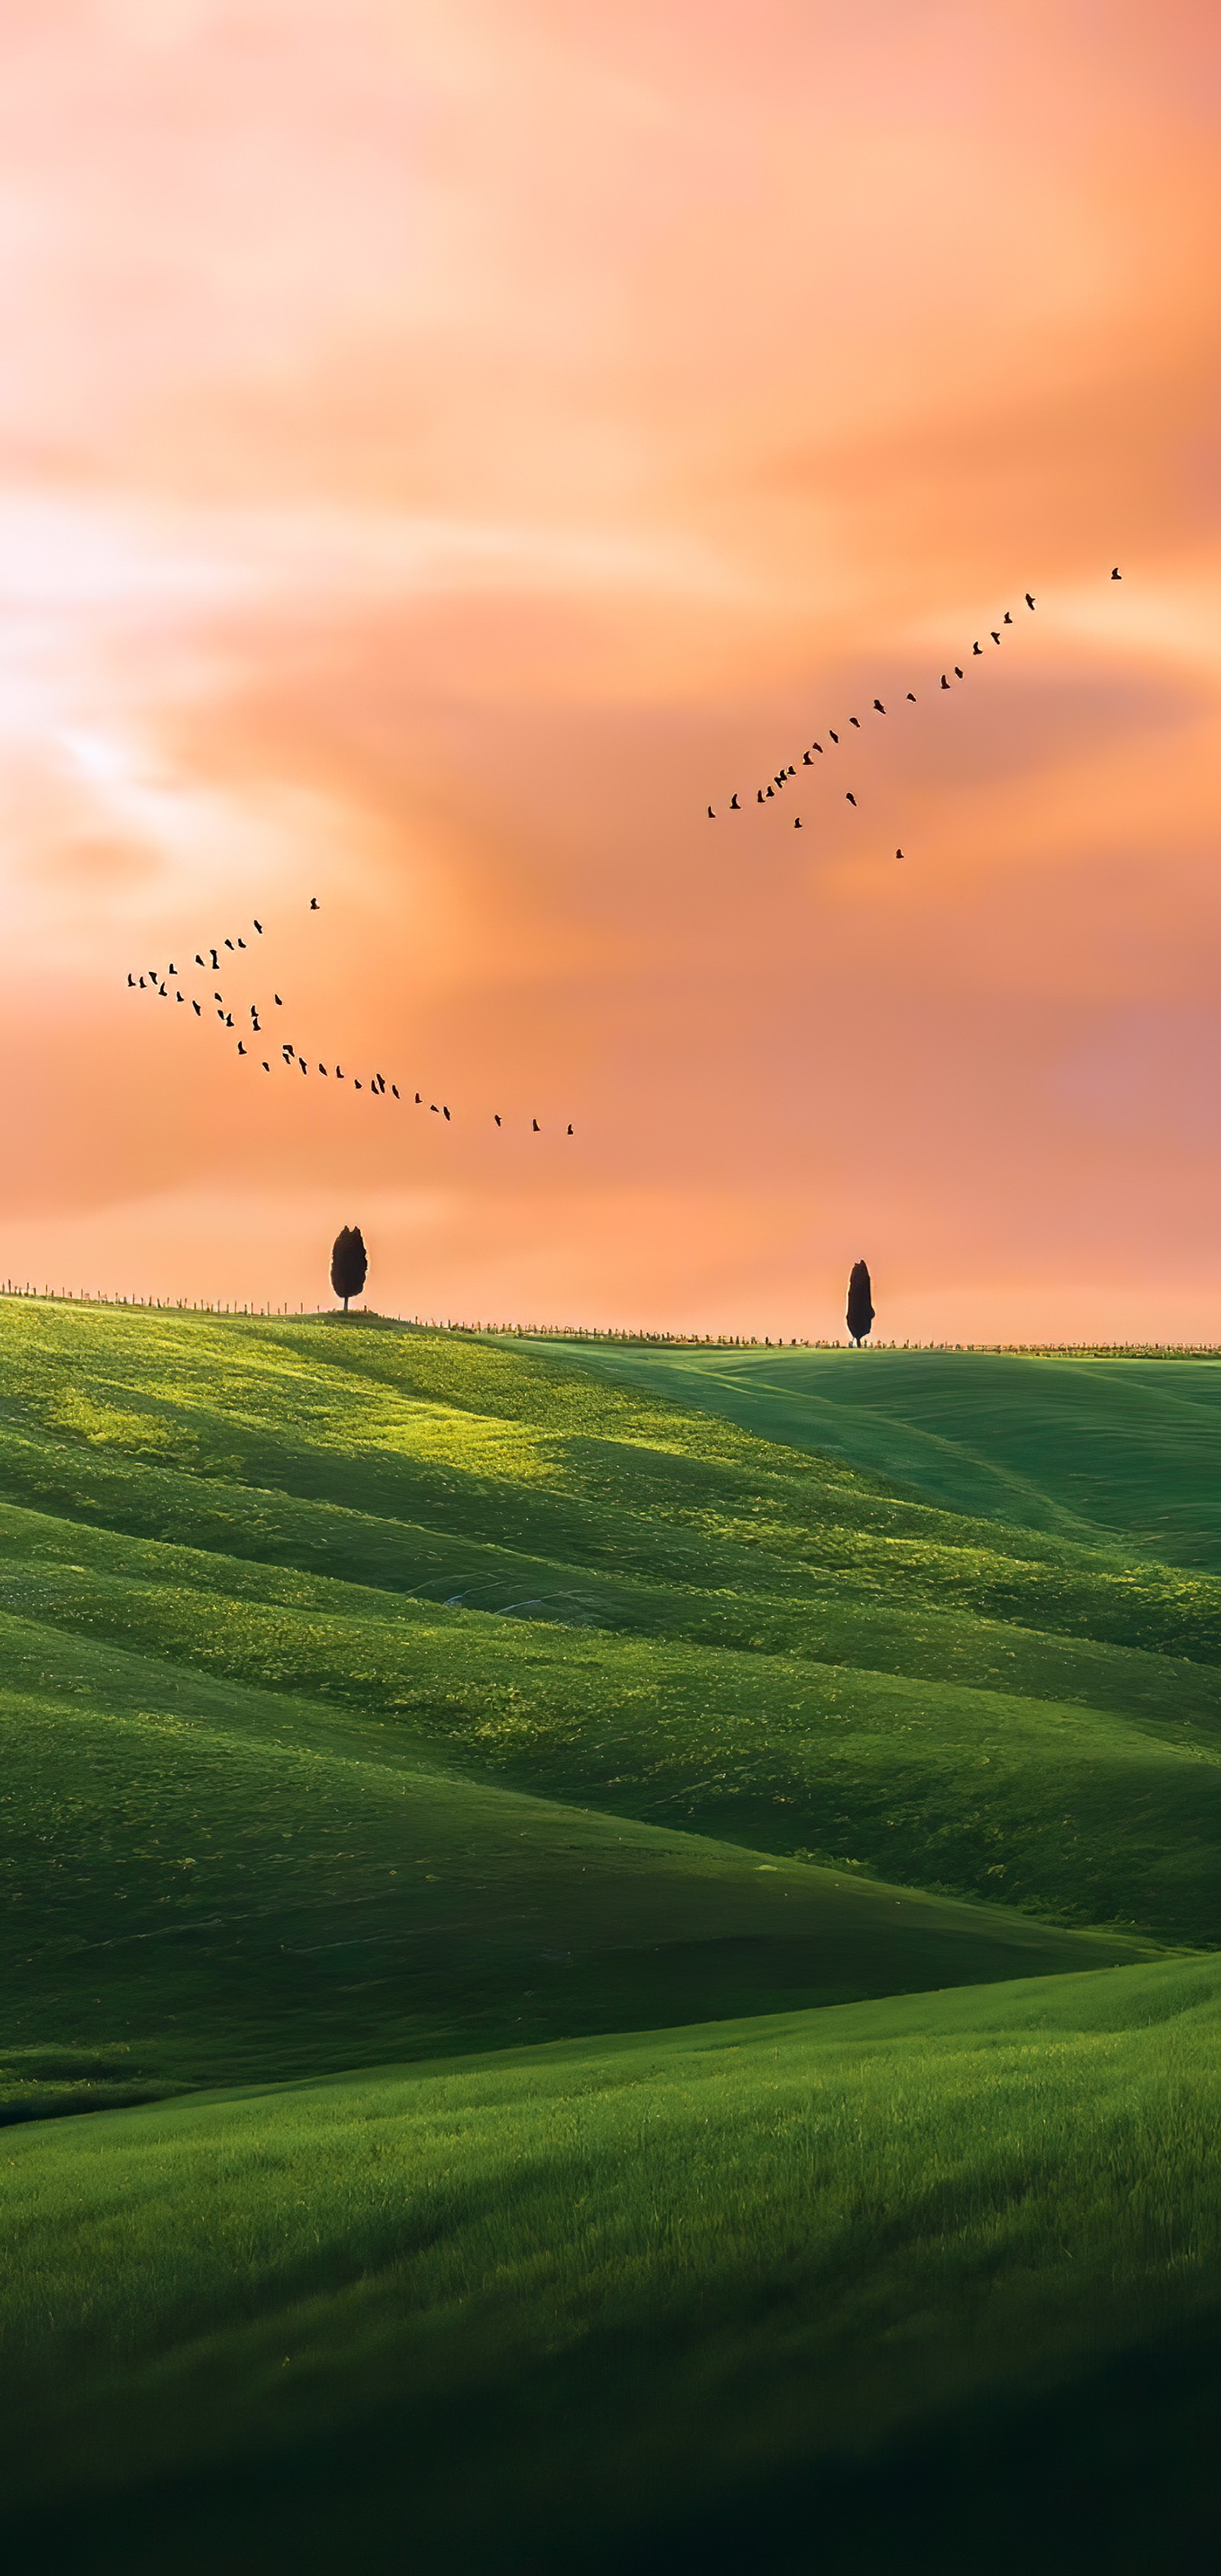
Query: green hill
<point>373,1695</point>
<point>780,2293</point>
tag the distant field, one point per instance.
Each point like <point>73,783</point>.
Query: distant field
<point>373,1695</point>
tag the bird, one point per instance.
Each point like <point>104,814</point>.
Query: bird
<point>215,961</point>
<point>898,854</point>
<point>833,734</point>
<point>975,648</point>
<point>778,778</point>
<point>142,987</point>
<point>301,1061</point>
<point>241,943</point>
<point>711,815</point>
<point>198,1013</point>
<point>771,791</point>
<point>994,635</point>
<point>279,1004</point>
<point>433,1106</point>
<point>535,1125</point>
<point>790,771</point>
<point>240,1048</point>
<point>570,1131</point>
<point>198,958</point>
<point>879,709</point>
<point>322,1068</point>
<point>1006,619</point>
<point>806,763</point>
<point>228,1019</point>
<point>1029,600</point>
<point>356,1081</point>
<point>266,1066</point>
<point>734,806</point>
<point>218,997</point>
<point>339,1073</point>
<point>180,997</point>
<point>171,970</point>
<point>259,927</point>
<point>796,822</point>
<point>229,943</point>
<point>856,721</point>
<point>944,682</point>
<point>256,1022</point>
<point>496,1116</point>
<point>911,697</point>
<point>287,1049</point>
<point>418,1101</point>
<point>851,797</point>
<point>758,796</point>
<point>445,1113</point>
<point>395,1089</point>
<point>958,670</point>
<point>132,981</point>
<point>313,903</point>
<point>1117,575</point>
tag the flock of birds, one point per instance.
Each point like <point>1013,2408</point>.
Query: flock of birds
<point>167,984</point>
<point>245,1021</point>
<point>781,776</point>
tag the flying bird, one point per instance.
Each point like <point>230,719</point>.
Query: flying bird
<point>975,648</point>
<point>433,1106</point>
<point>806,763</point>
<point>1029,600</point>
<point>278,1002</point>
<point>771,791</point>
<point>535,1125</point>
<point>394,1087</point>
<point>322,1068</point>
<point>818,747</point>
<point>418,1101</point>
<point>1006,619</point>
<point>711,815</point>
<point>734,806</point>
<point>445,1113</point>
<point>1117,575</point>
<point>958,670</point>
<point>266,1066</point>
<point>496,1116</point>
<point>878,707</point>
<point>898,854</point>
<point>856,721</point>
<point>944,682</point>
<point>259,927</point>
<point>339,1073</point>
<point>851,797</point>
<point>313,903</point>
<point>796,822</point>
<point>215,961</point>
<point>198,958</point>
<point>229,943</point>
<point>993,633</point>
<point>911,695</point>
<point>570,1131</point>
<point>132,981</point>
<point>240,1048</point>
<point>758,796</point>
<point>198,1013</point>
<point>171,970</point>
<point>833,734</point>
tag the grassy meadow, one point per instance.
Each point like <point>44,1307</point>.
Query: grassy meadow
<point>637,1931</point>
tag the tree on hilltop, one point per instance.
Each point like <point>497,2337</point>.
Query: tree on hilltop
<point>860,1303</point>
<point>349,1264</point>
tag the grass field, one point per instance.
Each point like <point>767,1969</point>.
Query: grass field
<point>705,1867</point>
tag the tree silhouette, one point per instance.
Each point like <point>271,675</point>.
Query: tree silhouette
<point>860,1303</point>
<point>349,1264</point>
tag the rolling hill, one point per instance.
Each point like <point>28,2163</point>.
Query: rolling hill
<point>637,1825</point>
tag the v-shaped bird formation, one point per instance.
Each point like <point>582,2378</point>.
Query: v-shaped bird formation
<point>836,737</point>
<point>252,1024</point>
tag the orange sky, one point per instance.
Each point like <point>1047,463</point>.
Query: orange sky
<point>440,449</point>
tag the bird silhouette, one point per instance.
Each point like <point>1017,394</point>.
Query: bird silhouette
<point>445,1113</point>
<point>958,670</point>
<point>241,943</point>
<point>433,1106</point>
<point>339,1073</point>
<point>758,796</point>
<point>279,1004</point>
<point>818,747</point>
<point>879,709</point>
<point>1006,619</point>
<point>993,633</point>
<point>266,1066</point>
<point>198,1013</point>
<point>171,970</point>
<point>496,1116</point>
<point>911,697</point>
<point>851,797</point>
<point>796,822</point>
<point>833,734</point>
<point>228,1019</point>
<point>218,997</point>
<point>570,1131</point>
<point>771,791</point>
<point>256,1023</point>
<point>856,721</point>
<point>215,961</point>
<point>322,1068</point>
<point>198,958</point>
<point>975,648</point>
<point>259,927</point>
<point>807,763</point>
<point>898,854</point>
<point>734,806</point>
<point>395,1089</point>
<point>1117,575</point>
<point>1029,600</point>
<point>313,903</point>
<point>229,943</point>
<point>240,1048</point>
<point>301,1061</point>
<point>180,997</point>
<point>418,1101</point>
<point>944,682</point>
<point>356,1082</point>
<point>132,981</point>
<point>535,1125</point>
<point>711,815</point>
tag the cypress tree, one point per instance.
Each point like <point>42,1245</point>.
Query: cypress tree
<point>860,1303</point>
<point>349,1264</point>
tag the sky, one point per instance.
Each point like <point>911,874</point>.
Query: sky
<point>442,450</point>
